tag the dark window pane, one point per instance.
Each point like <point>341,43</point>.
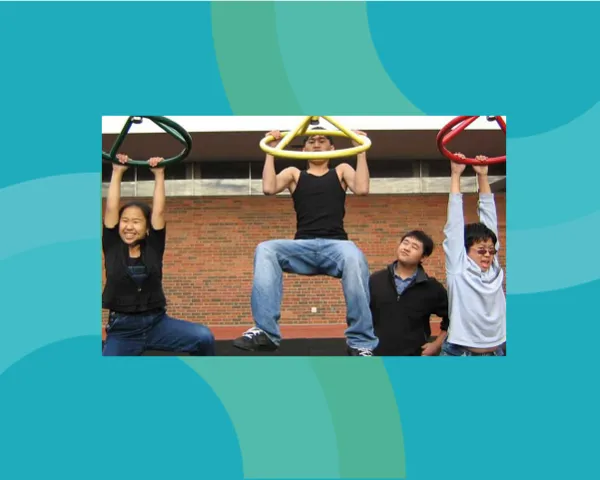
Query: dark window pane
<point>441,168</point>
<point>217,170</point>
<point>172,172</point>
<point>391,168</point>
<point>256,169</point>
<point>436,168</point>
<point>128,176</point>
<point>144,174</point>
<point>176,172</point>
<point>499,169</point>
<point>106,171</point>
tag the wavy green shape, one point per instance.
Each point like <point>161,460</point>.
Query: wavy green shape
<point>309,418</point>
<point>337,67</point>
<point>249,59</point>
<point>279,412</point>
<point>365,417</point>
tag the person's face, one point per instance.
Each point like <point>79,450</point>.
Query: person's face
<point>410,251</point>
<point>132,225</point>
<point>482,253</point>
<point>317,143</point>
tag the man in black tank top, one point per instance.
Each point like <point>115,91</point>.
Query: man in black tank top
<point>320,247</point>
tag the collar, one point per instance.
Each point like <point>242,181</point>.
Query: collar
<point>420,275</point>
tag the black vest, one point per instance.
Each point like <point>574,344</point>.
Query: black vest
<point>320,206</point>
<point>122,293</point>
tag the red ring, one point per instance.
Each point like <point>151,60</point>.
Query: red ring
<point>446,134</point>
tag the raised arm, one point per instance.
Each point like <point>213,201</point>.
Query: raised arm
<point>357,180</point>
<point>486,206</point>
<point>159,200</point>
<point>111,212</point>
<point>454,231</point>
<point>272,182</point>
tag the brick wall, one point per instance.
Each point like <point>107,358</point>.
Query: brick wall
<point>211,242</point>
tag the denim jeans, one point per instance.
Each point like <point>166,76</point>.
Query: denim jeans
<point>132,334</point>
<point>453,350</point>
<point>335,258</point>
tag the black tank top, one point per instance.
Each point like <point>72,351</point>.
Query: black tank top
<point>319,204</point>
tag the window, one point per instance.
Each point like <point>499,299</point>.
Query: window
<point>176,171</point>
<point>221,170</point>
<point>441,168</point>
<point>107,167</point>
<point>392,169</point>
<point>436,168</point>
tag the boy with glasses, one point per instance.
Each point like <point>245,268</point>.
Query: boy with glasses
<point>477,304</point>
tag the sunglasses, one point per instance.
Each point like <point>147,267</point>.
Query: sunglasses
<point>483,251</point>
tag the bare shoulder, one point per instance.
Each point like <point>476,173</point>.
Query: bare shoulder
<point>344,167</point>
<point>294,172</point>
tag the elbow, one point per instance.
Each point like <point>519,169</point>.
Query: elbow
<point>269,187</point>
<point>362,188</point>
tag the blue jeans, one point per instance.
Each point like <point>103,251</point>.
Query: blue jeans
<point>132,334</point>
<point>453,350</point>
<point>335,258</point>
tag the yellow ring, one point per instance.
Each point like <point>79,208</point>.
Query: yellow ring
<point>343,132</point>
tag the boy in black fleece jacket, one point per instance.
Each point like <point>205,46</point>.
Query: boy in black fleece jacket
<point>403,298</point>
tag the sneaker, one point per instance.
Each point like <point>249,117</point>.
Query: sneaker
<point>255,340</point>
<point>360,352</point>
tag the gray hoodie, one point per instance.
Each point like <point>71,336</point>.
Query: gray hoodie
<point>477,304</point>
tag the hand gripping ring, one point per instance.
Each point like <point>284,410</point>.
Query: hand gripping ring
<point>302,129</point>
<point>449,132</point>
<point>169,126</point>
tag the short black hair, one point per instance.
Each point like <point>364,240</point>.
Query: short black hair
<point>422,237</point>
<point>478,232</point>
<point>316,128</point>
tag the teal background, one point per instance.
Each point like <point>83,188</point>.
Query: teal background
<point>67,411</point>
